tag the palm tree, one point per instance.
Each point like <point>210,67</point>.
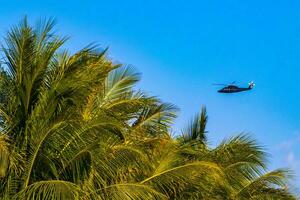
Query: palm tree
<point>75,127</point>
<point>242,161</point>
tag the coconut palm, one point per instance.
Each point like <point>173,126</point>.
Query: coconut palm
<point>242,161</point>
<point>70,122</point>
<point>50,118</point>
<point>75,127</point>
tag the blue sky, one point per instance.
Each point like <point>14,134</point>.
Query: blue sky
<point>182,47</point>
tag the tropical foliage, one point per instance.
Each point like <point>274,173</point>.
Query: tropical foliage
<point>75,127</point>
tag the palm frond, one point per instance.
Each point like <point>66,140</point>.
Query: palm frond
<point>196,130</point>
<point>277,178</point>
<point>119,82</point>
<point>128,191</point>
<point>155,119</point>
<point>240,150</point>
<point>52,189</point>
<point>4,155</point>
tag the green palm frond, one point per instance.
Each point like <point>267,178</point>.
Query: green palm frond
<point>176,179</point>
<point>277,178</point>
<point>4,155</point>
<point>272,194</point>
<point>119,82</point>
<point>78,168</point>
<point>155,119</point>
<point>10,158</point>
<point>127,191</point>
<point>28,59</point>
<point>196,131</point>
<point>240,150</point>
<point>52,189</point>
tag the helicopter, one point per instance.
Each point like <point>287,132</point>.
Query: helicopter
<point>232,88</point>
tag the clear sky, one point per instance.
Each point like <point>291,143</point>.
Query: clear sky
<point>182,47</point>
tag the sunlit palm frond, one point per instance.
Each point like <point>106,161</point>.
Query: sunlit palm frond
<point>119,82</point>
<point>28,60</point>
<point>129,104</point>
<point>127,191</point>
<point>177,178</point>
<point>238,151</point>
<point>196,130</point>
<point>51,189</point>
<point>155,119</point>
<point>274,179</point>
<point>272,194</point>
<point>172,173</point>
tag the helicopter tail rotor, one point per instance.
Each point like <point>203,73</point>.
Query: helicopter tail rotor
<point>251,84</point>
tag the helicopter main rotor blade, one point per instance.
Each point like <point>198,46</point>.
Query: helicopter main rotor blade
<point>219,84</point>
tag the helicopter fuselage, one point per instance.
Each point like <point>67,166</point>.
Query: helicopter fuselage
<point>233,89</point>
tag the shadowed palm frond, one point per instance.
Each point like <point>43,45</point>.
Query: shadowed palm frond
<point>4,155</point>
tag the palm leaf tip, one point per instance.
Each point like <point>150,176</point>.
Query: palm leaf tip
<point>196,130</point>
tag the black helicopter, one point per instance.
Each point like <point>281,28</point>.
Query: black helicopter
<point>232,88</point>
